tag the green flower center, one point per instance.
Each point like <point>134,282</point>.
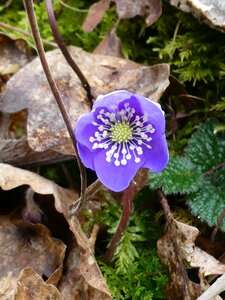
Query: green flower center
<point>121,132</point>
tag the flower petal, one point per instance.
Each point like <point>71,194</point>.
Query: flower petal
<point>116,178</point>
<point>113,98</point>
<point>156,158</point>
<point>86,156</point>
<point>155,113</point>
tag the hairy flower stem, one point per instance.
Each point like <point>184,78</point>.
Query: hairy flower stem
<point>36,35</point>
<point>65,52</point>
<point>127,209</point>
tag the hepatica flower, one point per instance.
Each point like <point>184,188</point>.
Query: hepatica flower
<point>122,133</point>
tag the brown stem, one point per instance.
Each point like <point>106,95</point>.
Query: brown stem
<point>214,169</point>
<point>127,209</point>
<point>65,52</point>
<point>218,225</point>
<point>165,205</point>
<point>36,35</point>
<point>25,33</point>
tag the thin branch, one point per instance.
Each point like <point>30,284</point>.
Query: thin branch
<point>65,52</point>
<point>214,169</point>
<point>73,8</point>
<point>214,290</point>
<point>55,91</point>
<point>127,209</point>
<point>218,225</point>
<point>165,206</point>
<point>90,192</point>
<point>4,25</point>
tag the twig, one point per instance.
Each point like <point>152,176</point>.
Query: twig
<point>55,91</point>
<point>165,206</point>
<point>214,290</point>
<point>90,192</point>
<point>218,225</point>
<point>25,33</point>
<point>214,169</point>
<point>65,52</point>
<point>191,96</point>
<point>127,209</point>
<point>73,8</point>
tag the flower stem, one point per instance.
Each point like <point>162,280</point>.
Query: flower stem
<point>127,209</point>
<point>65,52</point>
<point>37,39</point>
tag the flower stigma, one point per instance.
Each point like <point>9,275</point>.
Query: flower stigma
<point>124,133</point>
<point>121,132</point>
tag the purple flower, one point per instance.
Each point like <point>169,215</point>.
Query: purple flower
<point>122,133</point>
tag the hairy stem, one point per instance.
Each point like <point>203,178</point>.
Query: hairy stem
<point>127,209</point>
<point>36,35</point>
<point>65,52</point>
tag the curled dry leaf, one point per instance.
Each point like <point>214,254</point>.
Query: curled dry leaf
<point>46,129</point>
<point>95,14</point>
<point>27,245</point>
<point>177,246</point>
<point>131,8</point>
<point>13,53</point>
<point>110,45</point>
<point>212,12</point>
<point>30,286</point>
<point>85,266</point>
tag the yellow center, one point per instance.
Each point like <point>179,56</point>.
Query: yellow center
<point>121,132</point>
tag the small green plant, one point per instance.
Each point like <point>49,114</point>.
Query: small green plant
<point>135,270</point>
<point>200,174</point>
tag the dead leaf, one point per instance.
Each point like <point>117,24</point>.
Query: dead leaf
<point>210,12</point>
<point>85,266</point>
<point>11,177</point>
<point>82,269</point>
<point>30,286</point>
<point>27,245</point>
<point>110,45</point>
<point>13,53</point>
<point>45,128</point>
<point>17,152</point>
<point>178,246</point>
<point>95,14</point>
<point>131,8</point>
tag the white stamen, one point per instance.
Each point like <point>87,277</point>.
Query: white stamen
<point>124,139</point>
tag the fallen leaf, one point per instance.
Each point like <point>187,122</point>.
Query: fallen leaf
<point>13,53</point>
<point>110,45</point>
<point>17,152</point>
<point>131,8</point>
<point>30,286</point>
<point>211,12</point>
<point>27,245</point>
<point>82,269</point>
<point>95,14</point>
<point>85,265</point>
<point>45,128</point>
<point>178,246</point>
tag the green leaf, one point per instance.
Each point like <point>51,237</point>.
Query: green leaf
<point>180,176</point>
<point>206,149</point>
<point>208,203</point>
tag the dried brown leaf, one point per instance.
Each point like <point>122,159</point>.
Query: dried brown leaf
<point>95,14</point>
<point>84,263</point>
<point>110,45</point>
<point>30,286</point>
<point>46,129</point>
<point>212,12</point>
<point>13,53</point>
<point>178,246</point>
<point>27,245</point>
<point>131,8</point>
